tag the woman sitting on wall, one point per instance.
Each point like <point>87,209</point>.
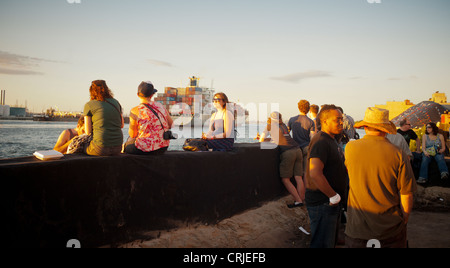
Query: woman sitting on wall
<point>148,123</point>
<point>68,135</point>
<point>433,145</point>
<point>221,134</point>
<point>103,118</point>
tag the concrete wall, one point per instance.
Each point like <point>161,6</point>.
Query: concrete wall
<point>103,200</point>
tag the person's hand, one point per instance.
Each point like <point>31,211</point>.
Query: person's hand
<point>426,154</point>
<point>335,200</point>
<point>208,137</point>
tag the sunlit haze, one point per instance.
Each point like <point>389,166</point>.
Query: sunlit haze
<point>352,53</point>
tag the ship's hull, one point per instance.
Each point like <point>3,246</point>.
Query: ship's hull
<point>54,119</point>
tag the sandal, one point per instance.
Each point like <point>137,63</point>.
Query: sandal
<point>295,204</point>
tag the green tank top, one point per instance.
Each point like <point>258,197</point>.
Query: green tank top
<point>106,122</point>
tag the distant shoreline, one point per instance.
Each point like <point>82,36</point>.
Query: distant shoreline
<point>12,118</point>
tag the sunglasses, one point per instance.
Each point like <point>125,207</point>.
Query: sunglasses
<point>217,100</point>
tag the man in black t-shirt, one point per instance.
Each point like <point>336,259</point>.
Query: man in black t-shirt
<point>409,134</point>
<point>406,131</point>
<point>326,179</point>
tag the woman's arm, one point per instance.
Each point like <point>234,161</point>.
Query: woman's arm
<point>263,136</point>
<point>424,148</point>
<point>88,125</point>
<point>228,124</point>
<point>133,130</point>
<point>63,142</point>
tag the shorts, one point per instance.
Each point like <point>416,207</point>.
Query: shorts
<point>95,150</point>
<point>130,148</point>
<point>291,163</point>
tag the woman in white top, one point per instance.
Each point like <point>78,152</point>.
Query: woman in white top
<point>221,134</point>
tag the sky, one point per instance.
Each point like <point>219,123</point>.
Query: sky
<point>352,53</point>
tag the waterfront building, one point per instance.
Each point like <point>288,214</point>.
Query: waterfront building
<point>440,98</point>
<point>4,111</point>
<point>18,112</point>
<point>396,107</point>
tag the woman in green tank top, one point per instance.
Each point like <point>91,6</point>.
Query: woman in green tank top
<point>104,120</point>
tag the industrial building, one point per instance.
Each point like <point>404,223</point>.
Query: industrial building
<point>7,111</point>
<point>4,109</point>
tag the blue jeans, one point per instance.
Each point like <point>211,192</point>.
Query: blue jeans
<point>426,162</point>
<point>324,221</point>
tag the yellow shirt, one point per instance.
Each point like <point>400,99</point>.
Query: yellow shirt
<point>379,173</point>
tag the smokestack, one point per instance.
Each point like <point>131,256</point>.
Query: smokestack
<point>2,101</point>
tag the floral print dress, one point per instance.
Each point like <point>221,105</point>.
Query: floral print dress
<point>151,133</point>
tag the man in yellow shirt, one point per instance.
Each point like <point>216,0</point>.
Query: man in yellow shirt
<point>382,184</point>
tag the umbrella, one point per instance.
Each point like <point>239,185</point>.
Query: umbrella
<point>421,114</point>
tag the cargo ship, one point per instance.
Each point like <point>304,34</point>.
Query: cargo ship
<point>192,105</point>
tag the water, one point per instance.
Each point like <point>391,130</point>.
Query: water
<point>23,138</point>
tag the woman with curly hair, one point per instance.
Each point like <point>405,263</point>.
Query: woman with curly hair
<point>433,145</point>
<point>104,120</point>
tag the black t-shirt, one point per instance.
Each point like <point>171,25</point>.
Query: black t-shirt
<point>408,135</point>
<point>324,147</point>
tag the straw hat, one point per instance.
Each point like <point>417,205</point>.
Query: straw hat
<point>378,119</point>
<point>276,116</point>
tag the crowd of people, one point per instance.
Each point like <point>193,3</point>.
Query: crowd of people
<point>99,131</point>
<point>333,170</point>
<point>370,178</point>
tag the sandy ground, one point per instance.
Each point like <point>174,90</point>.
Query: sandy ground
<point>274,225</point>
<point>429,230</point>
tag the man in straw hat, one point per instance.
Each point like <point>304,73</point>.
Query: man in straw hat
<point>381,185</point>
